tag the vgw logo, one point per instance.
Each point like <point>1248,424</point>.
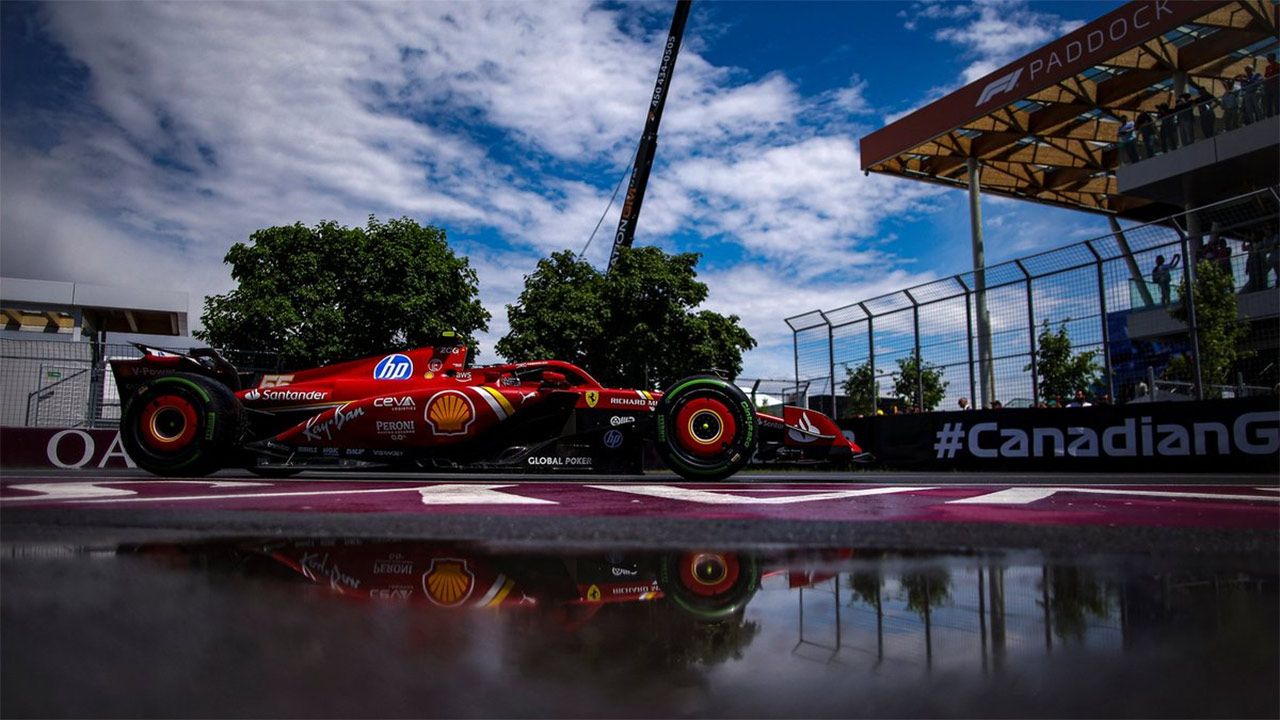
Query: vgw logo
<point>393,367</point>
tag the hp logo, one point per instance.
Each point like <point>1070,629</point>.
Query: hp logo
<point>613,439</point>
<point>394,367</point>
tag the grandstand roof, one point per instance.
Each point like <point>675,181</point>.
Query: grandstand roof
<point>61,307</point>
<point>1044,126</point>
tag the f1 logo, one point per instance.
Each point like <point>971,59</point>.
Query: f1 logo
<point>1004,84</point>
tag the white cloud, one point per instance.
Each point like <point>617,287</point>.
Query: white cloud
<point>989,34</point>
<point>206,121</point>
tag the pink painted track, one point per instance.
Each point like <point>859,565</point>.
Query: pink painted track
<point>1252,506</point>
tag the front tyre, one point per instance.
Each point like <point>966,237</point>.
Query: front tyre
<point>706,428</point>
<point>181,425</point>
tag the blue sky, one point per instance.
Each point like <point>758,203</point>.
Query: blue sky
<point>139,141</point>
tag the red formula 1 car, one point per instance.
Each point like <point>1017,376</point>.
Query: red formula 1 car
<point>188,415</point>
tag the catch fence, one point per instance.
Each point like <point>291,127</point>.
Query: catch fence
<point>1102,291</point>
<point>53,383</point>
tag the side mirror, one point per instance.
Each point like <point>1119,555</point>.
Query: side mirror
<point>554,379</point>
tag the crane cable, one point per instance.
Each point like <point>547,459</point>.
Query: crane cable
<point>616,188</point>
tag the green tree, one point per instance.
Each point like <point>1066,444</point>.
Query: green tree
<point>1060,373</point>
<point>916,376</point>
<point>633,328</point>
<point>926,588</point>
<point>860,387</point>
<point>327,293</point>
<point>1221,332</point>
<point>1075,596</point>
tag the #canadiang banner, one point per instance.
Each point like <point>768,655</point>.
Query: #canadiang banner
<point>1224,436</point>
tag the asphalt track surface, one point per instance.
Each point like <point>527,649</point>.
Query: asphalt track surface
<point>953,512</point>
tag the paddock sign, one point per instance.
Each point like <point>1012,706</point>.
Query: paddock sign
<point>66,448</point>
<point>1224,436</point>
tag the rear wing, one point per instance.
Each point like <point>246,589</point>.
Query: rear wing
<point>131,374</point>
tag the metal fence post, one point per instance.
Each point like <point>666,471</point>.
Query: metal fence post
<point>795,352</point>
<point>1106,331</point>
<point>1031,331</point>
<point>871,358</point>
<point>1192,255</point>
<point>831,358</point>
<point>915,332</point>
<point>968,334</point>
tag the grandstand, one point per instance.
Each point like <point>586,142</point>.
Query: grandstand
<point>1047,128</point>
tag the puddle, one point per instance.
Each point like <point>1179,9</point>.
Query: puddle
<point>356,628</point>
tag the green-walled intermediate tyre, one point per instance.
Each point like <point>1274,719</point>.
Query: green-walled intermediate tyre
<point>181,425</point>
<point>709,585</point>
<point>706,428</point>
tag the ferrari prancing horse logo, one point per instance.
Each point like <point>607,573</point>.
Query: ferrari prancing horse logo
<point>593,397</point>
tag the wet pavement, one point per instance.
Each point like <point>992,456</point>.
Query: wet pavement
<point>348,627</point>
<point>893,596</point>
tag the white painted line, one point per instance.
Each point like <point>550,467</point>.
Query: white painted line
<point>723,497</point>
<point>1026,495</point>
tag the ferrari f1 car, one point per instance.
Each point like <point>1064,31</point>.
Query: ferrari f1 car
<point>188,415</point>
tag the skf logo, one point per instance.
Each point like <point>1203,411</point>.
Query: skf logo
<point>448,582</point>
<point>1004,84</point>
<point>394,367</point>
<point>450,413</point>
<point>593,397</point>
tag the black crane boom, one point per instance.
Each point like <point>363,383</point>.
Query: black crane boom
<point>649,139</point>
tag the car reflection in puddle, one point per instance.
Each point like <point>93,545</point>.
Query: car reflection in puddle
<point>707,631</point>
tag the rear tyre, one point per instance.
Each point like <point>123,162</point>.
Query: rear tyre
<point>709,585</point>
<point>706,428</point>
<point>181,425</point>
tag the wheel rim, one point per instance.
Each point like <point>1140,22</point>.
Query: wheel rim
<point>168,423</point>
<point>705,427</point>
<point>708,574</point>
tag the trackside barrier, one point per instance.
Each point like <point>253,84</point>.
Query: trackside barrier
<point>91,449</point>
<point>64,448</point>
<point>1239,435</point>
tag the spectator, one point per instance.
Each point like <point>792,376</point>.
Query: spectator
<point>1080,400</point>
<point>1162,276</point>
<point>1147,129</point>
<point>996,405</point>
<point>1255,266</point>
<point>1168,127</point>
<point>1105,399</point>
<point>1271,85</point>
<point>1231,105</point>
<point>1219,253</point>
<point>1185,118</point>
<point>1253,94</point>
<point>1127,139</point>
<point>963,403</point>
<point>1208,110</point>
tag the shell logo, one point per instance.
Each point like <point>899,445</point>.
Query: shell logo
<point>450,413</point>
<point>448,582</point>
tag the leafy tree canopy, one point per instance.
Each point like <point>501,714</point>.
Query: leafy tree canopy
<point>1060,373</point>
<point>1221,332</point>
<point>328,293</point>
<point>633,328</point>
<point>859,384</point>
<point>926,391</point>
